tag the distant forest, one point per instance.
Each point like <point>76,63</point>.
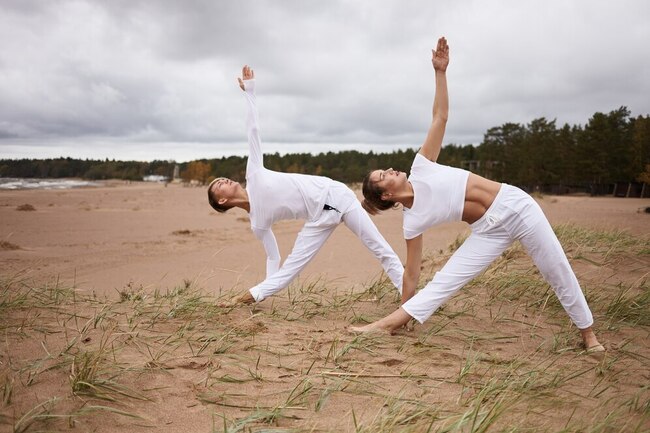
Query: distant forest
<point>611,148</point>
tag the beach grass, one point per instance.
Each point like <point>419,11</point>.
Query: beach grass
<point>500,356</point>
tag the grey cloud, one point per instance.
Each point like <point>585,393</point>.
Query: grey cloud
<point>161,75</point>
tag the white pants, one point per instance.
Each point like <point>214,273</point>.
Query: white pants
<point>514,215</point>
<point>314,234</point>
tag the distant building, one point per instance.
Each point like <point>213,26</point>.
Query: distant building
<point>472,165</point>
<point>155,178</point>
<point>484,168</point>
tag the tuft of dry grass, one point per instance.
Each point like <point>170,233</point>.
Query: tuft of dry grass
<point>580,240</point>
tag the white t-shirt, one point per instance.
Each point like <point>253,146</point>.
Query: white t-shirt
<point>439,195</point>
<point>273,195</point>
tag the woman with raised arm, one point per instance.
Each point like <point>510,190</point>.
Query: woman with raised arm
<point>271,196</point>
<point>498,215</point>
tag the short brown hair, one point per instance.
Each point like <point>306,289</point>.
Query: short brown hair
<point>372,201</point>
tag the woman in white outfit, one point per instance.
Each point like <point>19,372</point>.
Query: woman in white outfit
<point>271,196</point>
<point>498,215</point>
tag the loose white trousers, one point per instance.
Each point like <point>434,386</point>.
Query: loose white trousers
<point>313,235</point>
<point>513,215</point>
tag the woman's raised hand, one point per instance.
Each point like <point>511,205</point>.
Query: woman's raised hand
<point>246,74</point>
<point>440,56</point>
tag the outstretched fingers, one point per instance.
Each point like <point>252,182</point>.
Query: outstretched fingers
<point>241,299</point>
<point>442,50</point>
<point>247,73</point>
<point>442,45</point>
<point>440,56</point>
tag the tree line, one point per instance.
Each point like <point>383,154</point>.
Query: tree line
<point>611,147</point>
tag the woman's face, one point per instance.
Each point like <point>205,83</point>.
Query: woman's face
<point>388,180</point>
<point>224,188</point>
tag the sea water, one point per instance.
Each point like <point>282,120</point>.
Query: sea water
<point>27,183</point>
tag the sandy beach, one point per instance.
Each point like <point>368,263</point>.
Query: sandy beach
<point>119,245</point>
<point>149,235</point>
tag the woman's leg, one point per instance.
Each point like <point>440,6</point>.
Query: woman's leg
<point>473,256</point>
<point>358,221</point>
<point>310,239</point>
<point>544,248</point>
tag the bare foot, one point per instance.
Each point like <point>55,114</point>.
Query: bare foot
<point>242,299</point>
<point>590,341</point>
<point>597,348</point>
<point>596,352</point>
<point>593,348</point>
<point>372,328</point>
<point>387,325</point>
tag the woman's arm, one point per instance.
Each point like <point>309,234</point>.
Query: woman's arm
<point>432,144</point>
<point>272,251</point>
<point>255,155</point>
<point>412,268</point>
<point>400,317</point>
<point>272,266</point>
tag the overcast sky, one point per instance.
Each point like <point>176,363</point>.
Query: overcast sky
<point>146,79</point>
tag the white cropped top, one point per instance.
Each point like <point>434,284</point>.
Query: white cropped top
<point>439,196</point>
